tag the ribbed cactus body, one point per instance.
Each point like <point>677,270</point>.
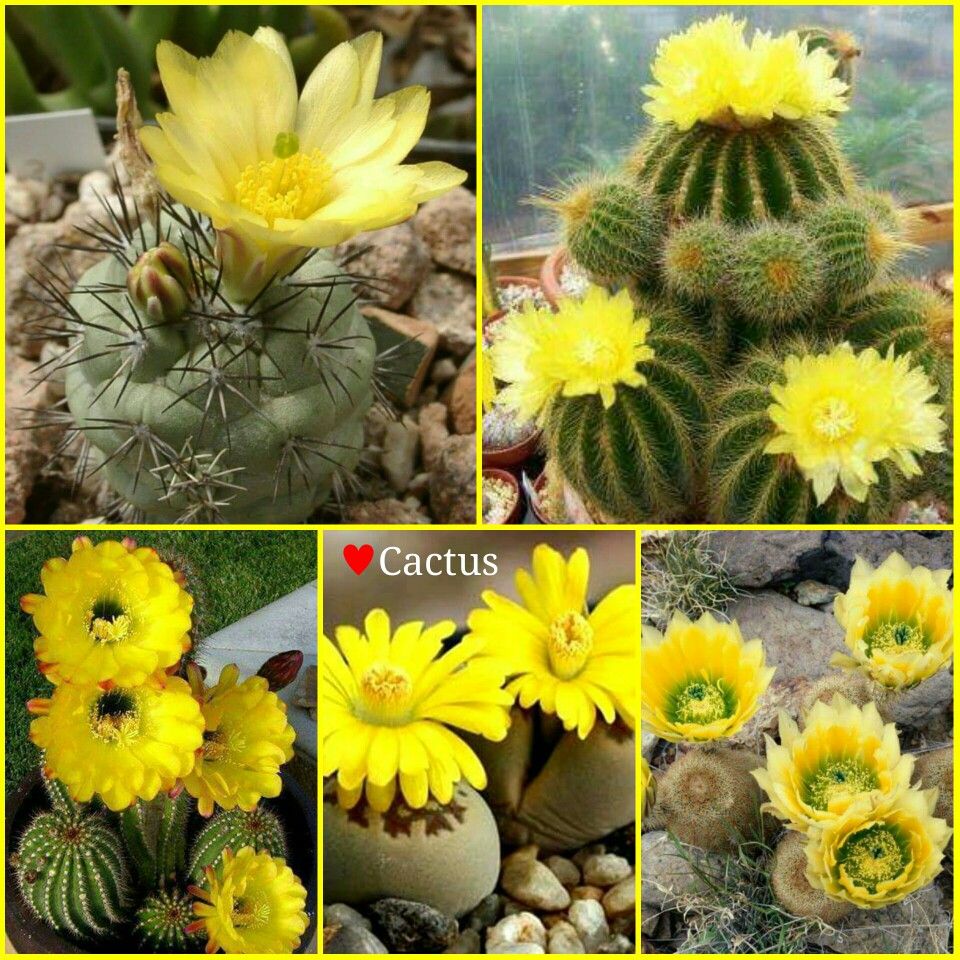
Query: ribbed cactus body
<point>233,829</point>
<point>696,259</point>
<point>638,459</point>
<point>155,836</point>
<point>161,923</point>
<point>225,411</point>
<point>613,230</point>
<point>71,870</point>
<point>746,485</point>
<point>741,175</point>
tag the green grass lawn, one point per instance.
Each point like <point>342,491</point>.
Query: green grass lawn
<point>230,574</point>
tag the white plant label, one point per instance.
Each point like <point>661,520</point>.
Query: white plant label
<point>42,145</point>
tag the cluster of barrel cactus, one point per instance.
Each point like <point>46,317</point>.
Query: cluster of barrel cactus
<point>742,245</point>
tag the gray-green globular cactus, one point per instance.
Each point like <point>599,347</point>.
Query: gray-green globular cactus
<point>155,836</point>
<point>194,408</point>
<point>71,868</point>
<point>233,829</point>
<point>162,919</point>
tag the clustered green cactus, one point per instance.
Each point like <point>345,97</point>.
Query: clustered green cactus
<point>234,829</point>
<point>742,244</point>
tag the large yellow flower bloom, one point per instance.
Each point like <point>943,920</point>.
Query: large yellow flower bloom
<point>126,743</point>
<point>879,851</point>
<point>838,413</point>
<point>710,73</point>
<point>587,346</point>
<point>844,753</point>
<point>251,903</point>
<point>246,740</point>
<point>699,680</point>
<point>572,661</point>
<point>898,621</point>
<point>276,175</point>
<point>110,613</point>
<point>388,703</point>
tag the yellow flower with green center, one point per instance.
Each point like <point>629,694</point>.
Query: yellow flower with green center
<point>588,346</point>
<point>845,753</point>
<point>699,680</point>
<point>110,613</point>
<point>246,739</point>
<point>573,661</point>
<point>710,74</point>
<point>389,703</point>
<point>123,744</point>
<point>839,413</point>
<point>276,173</point>
<point>251,903</point>
<point>897,621</point>
<point>878,851</point>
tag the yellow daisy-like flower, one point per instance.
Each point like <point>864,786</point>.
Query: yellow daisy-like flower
<point>879,851</point>
<point>124,744</point>
<point>845,753</point>
<point>587,346</point>
<point>710,74</point>
<point>700,681</point>
<point>572,661</point>
<point>898,622</point>
<point>251,903</point>
<point>648,788</point>
<point>276,174</point>
<point>388,703</point>
<point>838,413</point>
<point>247,738</point>
<point>110,613</point>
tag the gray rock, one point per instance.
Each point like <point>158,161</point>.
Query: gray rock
<point>485,913</point>
<point>617,944</point>
<point>449,302</point>
<point>810,593</point>
<point>648,743</point>
<point>533,884</point>
<point>447,225</point>
<point>585,853</point>
<point>352,939</point>
<point>919,924</point>
<point>606,869</point>
<point>834,562</point>
<point>779,623</point>
<point>467,942</point>
<point>410,927</point>
<point>400,442</point>
<point>590,922</point>
<point>566,871</point>
<point>667,876</point>
<point>755,560</point>
<point>345,916</point>
<point>563,938</point>
<point>515,930</point>
<point>620,899</point>
<point>453,484</point>
<point>921,704</point>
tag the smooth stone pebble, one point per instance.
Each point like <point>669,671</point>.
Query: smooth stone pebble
<point>520,928</point>
<point>605,870</point>
<point>522,854</point>
<point>566,871</point>
<point>351,939</point>
<point>621,899</point>
<point>530,882</point>
<point>485,913</point>
<point>590,921</point>
<point>810,593</point>
<point>617,944</point>
<point>345,916</point>
<point>516,948</point>
<point>586,893</point>
<point>591,850</point>
<point>467,942</point>
<point>410,927</point>
<point>563,938</point>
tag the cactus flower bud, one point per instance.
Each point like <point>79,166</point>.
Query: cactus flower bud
<point>159,283</point>
<point>281,669</point>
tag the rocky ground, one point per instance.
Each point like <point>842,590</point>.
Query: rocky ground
<point>584,903</point>
<point>419,466</point>
<point>786,584</point>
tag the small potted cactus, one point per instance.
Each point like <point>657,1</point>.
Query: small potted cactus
<point>502,500</point>
<point>159,818</point>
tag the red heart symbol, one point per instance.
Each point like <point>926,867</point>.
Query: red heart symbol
<point>358,558</point>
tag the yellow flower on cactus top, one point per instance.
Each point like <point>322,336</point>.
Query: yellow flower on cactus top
<point>897,621</point>
<point>699,680</point>
<point>246,740</point>
<point>572,661</point>
<point>877,853</point>
<point>588,346</point>
<point>844,754</point>
<point>839,413</point>
<point>389,701</point>
<point>251,903</point>
<point>488,385</point>
<point>124,744</point>
<point>710,74</point>
<point>110,613</point>
<point>276,174</point>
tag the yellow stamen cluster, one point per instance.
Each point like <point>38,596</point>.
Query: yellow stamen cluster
<point>569,644</point>
<point>285,188</point>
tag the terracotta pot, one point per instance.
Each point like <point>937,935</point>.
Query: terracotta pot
<point>507,281</point>
<point>538,486</point>
<point>550,271</point>
<point>511,456</point>
<point>29,934</point>
<point>508,478</point>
